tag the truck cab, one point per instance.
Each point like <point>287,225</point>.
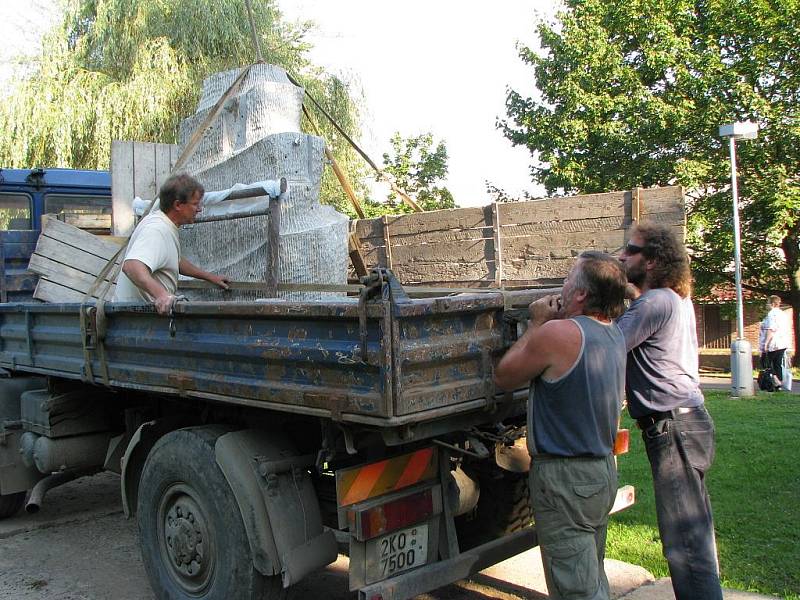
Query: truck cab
<point>79,197</point>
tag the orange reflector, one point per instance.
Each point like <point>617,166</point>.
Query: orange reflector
<point>622,441</point>
<point>392,515</point>
<point>375,479</point>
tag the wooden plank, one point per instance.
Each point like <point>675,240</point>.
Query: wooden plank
<point>498,246</point>
<point>163,164</point>
<point>424,272</point>
<point>387,244</point>
<point>448,251</point>
<point>431,237</point>
<point>69,255</point>
<point>556,245</point>
<point>144,170</point>
<point>356,259</point>
<point>637,205</point>
<point>369,228</point>
<point>415,223</point>
<point>122,189</point>
<point>86,221</point>
<point>53,292</point>
<point>591,206</point>
<point>555,227</point>
<point>62,274</point>
<point>67,234</point>
<point>550,269</point>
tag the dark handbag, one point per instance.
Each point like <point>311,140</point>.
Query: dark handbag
<point>766,378</point>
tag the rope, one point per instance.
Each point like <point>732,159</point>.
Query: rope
<point>381,173</point>
<point>259,58</point>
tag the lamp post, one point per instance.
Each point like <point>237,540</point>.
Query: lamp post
<point>741,352</point>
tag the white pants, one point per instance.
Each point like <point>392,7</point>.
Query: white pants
<point>786,384</point>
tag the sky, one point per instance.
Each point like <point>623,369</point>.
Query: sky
<point>438,66</point>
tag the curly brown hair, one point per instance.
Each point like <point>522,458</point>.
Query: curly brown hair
<point>662,245</point>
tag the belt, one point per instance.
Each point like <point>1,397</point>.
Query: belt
<point>656,417</point>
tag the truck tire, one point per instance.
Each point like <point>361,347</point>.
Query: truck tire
<point>192,537</point>
<point>504,507</point>
<point>10,504</point>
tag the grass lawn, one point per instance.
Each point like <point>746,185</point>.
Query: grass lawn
<point>755,493</point>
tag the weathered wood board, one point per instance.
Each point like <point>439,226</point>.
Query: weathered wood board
<point>137,169</point>
<point>68,261</point>
<point>512,244</point>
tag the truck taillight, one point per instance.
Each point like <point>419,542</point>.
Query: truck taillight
<point>622,441</point>
<point>392,515</point>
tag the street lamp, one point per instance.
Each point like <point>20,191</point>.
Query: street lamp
<point>741,352</point>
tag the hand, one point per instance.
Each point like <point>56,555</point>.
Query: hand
<point>632,292</point>
<point>544,309</point>
<point>220,280</point>
<point>164,303</point>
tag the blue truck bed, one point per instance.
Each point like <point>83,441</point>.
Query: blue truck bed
<point>388,362</point>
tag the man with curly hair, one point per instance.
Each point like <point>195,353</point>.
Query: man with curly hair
<point>663,391</point>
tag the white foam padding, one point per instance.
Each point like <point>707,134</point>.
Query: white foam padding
<point>257,137</point>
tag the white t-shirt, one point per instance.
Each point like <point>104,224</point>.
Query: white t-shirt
<point>154,243</point>
<point>778,322</point>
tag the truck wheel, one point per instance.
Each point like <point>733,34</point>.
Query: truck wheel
<point>193,540</point>
<point>504,507</point>
<point>10,504</point>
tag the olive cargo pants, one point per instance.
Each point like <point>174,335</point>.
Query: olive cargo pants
<point>571,499</point>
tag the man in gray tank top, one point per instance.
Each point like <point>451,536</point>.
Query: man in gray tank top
<point>664,397</point>
<point>575,356</point>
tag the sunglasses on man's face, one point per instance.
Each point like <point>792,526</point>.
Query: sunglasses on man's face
<point>631,249</point>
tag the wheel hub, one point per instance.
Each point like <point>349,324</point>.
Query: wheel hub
<point>185,539</point>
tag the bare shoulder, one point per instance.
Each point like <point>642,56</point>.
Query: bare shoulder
<point>556,337</point>
<point>561,329</point>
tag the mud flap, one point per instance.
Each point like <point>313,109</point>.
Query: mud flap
<point>277,502</point>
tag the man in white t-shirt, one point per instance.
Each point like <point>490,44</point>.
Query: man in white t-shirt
<point>777,336</point>
<point>153,259</point>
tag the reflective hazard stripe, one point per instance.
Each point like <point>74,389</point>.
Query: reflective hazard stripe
<point>360,483</point>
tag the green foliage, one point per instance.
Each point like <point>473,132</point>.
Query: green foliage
<point>419,169</point>
<point>753,486</point>
<point>132,69</point>
<point>632,94</point>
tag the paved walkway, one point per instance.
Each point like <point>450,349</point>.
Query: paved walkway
<point>723,382</point>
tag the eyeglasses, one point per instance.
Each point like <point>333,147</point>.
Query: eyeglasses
<point>631,249</point>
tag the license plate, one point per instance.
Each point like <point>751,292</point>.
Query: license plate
<point>397,552</point>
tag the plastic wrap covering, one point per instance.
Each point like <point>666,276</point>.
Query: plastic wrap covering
<point>265,104</point>
<point>257,138</point>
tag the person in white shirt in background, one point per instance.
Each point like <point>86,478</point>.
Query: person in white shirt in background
<point>153,259</point>
<point>777,338</point>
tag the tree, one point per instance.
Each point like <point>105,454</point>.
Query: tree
<point>418,169</point>
<point>132,69</point>
<point>632,94</point>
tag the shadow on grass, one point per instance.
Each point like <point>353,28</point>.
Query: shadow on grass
<point>755,493</point>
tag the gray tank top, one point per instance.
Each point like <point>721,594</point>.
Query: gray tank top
<point>578,413</point>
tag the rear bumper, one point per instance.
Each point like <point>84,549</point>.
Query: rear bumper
<point>436,575</point>
<point>448,571</point>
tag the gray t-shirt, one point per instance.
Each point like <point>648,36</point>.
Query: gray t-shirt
<point>578,413</point>
<point>661,339</point>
